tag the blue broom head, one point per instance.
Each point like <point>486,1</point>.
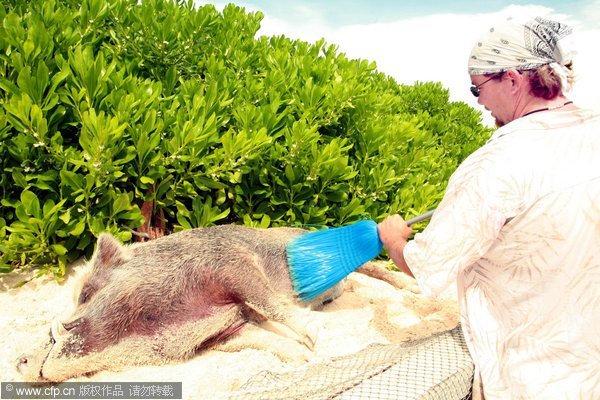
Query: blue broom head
<point>321,259</point>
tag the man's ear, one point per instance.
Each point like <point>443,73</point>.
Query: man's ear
<point>517,79</point>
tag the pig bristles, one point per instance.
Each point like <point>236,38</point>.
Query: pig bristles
<point>80,278</point>
<point>84,274</point>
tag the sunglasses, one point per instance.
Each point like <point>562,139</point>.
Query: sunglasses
<point>475,88</point>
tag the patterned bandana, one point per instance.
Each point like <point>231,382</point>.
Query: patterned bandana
<point>524,45</point>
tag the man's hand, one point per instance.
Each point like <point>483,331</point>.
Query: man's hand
<point>394,233</point>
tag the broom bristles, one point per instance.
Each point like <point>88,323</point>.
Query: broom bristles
<point>321,259</point>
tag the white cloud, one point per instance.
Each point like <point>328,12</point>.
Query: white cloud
<point>436,47</point>
<point>591,14</point>
<point>586,90</point>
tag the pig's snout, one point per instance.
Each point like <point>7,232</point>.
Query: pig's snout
<point>29,368</point>
<point>29,365</point>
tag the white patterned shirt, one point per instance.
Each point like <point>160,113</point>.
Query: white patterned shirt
<point>518,232</point>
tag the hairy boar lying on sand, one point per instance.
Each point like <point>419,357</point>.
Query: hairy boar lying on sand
<point>166,299</point>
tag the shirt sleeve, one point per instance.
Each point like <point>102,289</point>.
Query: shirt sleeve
<point>463,228</point>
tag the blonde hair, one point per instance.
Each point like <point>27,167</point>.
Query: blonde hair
<point>546,83</point>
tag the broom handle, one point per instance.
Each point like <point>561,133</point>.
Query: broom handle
<point>420,218</point>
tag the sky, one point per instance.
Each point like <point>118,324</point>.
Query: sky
<point>428,40</point>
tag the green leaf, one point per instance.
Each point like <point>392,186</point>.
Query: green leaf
<point>183,221</point>
<point>265,221</point>
<point>19,179</point>
<point>71,179</point>
<point>289,173</point>
<point>65,217</point>
<point>31,203</point>
<point>78,228</point>
<point>97,225</point>
<point>51,209</point>
<point>21,213</point>
<point>121,203</point>
<point>59,249</point>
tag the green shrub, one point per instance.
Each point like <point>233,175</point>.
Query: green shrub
<point>109,108</point>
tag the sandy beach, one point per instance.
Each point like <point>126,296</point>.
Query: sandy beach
<point>369,311</point>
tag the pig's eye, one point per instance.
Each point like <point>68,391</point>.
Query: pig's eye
<point>84,296</point>
<point>149,317</point>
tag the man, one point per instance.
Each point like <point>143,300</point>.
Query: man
<point>518,229</point>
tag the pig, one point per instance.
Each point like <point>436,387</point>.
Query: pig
<point>175,296</point>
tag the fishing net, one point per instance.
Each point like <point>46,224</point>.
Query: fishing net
<point>438,367</point>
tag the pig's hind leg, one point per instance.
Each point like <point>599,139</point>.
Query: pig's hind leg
<point>398,279</point>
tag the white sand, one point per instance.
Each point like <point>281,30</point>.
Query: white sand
<point>369,311</point>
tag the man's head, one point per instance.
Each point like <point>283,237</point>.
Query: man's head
<point>521,62</point>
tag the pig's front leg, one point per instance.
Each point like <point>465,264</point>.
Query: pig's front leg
<point>258,338</point>
<point>258,295</point>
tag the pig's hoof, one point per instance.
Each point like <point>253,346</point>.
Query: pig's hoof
<point>415,289</point>
<point>310,336</point>
<point>308,342</point>
<point>305,328</point>
<point>295,354</point>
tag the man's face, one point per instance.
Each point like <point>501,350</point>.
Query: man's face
<point>493,97</point>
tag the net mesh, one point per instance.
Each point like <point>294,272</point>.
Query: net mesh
<point>438,367</point>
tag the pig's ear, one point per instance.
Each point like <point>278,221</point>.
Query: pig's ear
<point>109,252</point>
